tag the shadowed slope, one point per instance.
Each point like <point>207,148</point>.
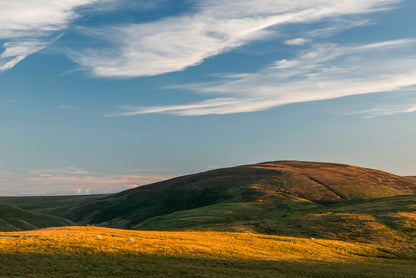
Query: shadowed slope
<point>16,219</point>
<point>55,205</point>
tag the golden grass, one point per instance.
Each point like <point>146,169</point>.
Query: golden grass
<point>77,252</point>
<point>84,241</point>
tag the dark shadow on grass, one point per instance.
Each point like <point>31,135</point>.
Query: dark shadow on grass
<point>41,265</point>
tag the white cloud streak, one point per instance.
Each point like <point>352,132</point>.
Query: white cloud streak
<point>386,110</point>
<point>26,26</point>
<point>175,43</point>
<point>298,41</point>
<point>392,105</point>
<point>319,73</point>
<point>58,172</point>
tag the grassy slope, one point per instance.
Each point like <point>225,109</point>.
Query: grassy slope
<point>279,204</point>
<point>56,205</point>
<point>16,219</point>
<point>75,252</point>
<point>265,182</point>
<point>413,178</point>
<point>389,222</point>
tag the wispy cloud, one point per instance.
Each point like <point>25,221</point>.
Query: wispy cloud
<point>298,41</point>
<point>67,107</point>
<point>212,27</point>
<point>321,72</point>
<point>27,26</point>
<point>58,172</point>
<point>72,180</point>
<point>389,105</point>
<point>386,110</point>
<point>7,174</point>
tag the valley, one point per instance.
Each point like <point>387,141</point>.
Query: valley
<point>273,219</point>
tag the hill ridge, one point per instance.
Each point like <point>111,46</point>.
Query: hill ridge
<point>263,182</point>
<point>266,182</point>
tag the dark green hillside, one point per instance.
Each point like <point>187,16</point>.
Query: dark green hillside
<point>389,222</point>
<point>16,219</point>
<point>55,205</point>
<point>268,182</point>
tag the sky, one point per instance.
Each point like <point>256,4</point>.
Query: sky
<point>99,96</point>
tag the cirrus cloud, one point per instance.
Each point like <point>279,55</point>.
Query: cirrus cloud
<point>212,27</point>
<point>27,26</point>
<point>321,72</point>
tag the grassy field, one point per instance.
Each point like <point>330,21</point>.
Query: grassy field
<point>78,252</point>
<point>388,222</point>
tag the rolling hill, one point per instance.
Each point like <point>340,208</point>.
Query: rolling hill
<point>267,183</point>
<point>388,222</point>
<point>15,219</point>
<point>287,215</point>
<point>50,204</point>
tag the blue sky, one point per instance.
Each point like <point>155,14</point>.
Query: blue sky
<point>103,95</point>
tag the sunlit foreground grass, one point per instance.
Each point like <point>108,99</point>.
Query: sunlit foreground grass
<point>103,252</point>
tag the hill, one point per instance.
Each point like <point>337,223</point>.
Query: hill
<point>289,198</point>
<point>78,252</point>
<point>388,222</point>
<point>294,219</point>
<point>267,183</point>
<point>50,204</point>
<point>15,219</point>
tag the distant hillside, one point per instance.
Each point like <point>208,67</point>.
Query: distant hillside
<point>54,205</point>
<point>16,219</point>
<point>267,182</point>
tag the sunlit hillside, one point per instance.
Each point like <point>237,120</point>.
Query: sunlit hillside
<point>287,198</point>
<point>275,219</point>
<point>103,252</point>
<point>413,178</point>
<point>389,222</point>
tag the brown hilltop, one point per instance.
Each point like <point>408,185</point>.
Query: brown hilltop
<point>330,182</point>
